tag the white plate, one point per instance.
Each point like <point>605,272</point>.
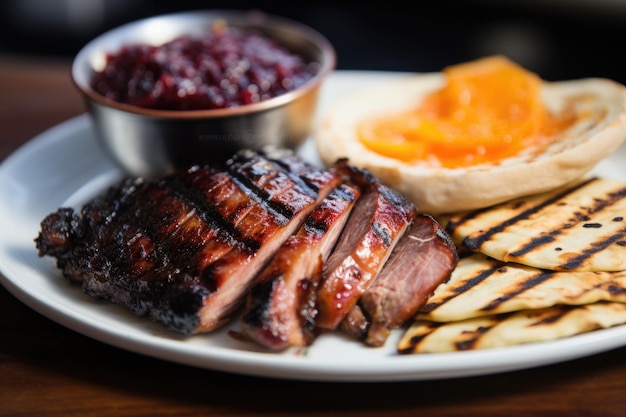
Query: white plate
<point>64,166</point>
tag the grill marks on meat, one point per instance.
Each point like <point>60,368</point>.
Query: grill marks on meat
<point>380,218</point>
<point>280,309</point>
<point>184,250</point>
<point>284,198</point>
<point>296,246</point>
<point>424,258</point>
<point>111,250</point>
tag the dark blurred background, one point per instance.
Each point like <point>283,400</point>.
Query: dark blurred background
<point>559,39</point>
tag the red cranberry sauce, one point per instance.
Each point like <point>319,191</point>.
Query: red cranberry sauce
<point>226,67</point>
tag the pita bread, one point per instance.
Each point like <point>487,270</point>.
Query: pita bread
<point>481,286</point>
<point>517,328</point>
<point>599,105</point>
<point>580,227</point>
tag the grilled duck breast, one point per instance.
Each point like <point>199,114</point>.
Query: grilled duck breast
<point>280,308</point>
<point>183,250</point>
<point>379,219</point>
<point>422,260</point>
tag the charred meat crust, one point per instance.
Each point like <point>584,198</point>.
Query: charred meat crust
<point>166,248</point>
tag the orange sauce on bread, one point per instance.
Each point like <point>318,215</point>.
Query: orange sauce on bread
<point>488,110</point>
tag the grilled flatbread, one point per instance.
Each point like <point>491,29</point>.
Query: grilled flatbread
<point>480,286</point>
<point>517,328</point>
<point>579,227</point>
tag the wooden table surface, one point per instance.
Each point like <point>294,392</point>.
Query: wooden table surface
<point>48,370</point>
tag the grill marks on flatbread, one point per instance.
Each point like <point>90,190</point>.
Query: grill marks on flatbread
<point>581,227</point>
<point>482,286</point>
<point>534,269</point>
<point>509,329</point>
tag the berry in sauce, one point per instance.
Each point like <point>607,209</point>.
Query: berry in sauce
<point>225,67</point>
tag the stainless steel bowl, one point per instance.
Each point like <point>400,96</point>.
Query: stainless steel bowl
<point>152,143</point>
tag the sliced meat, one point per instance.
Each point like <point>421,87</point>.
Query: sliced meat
<point>423,259</point>
<point>280,308</point>
<point>379,219</point>
<point>183,250</point>
<point>285,198</point>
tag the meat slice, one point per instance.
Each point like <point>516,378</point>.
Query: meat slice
<point>183,250</point>
<point>379,219</point>
<point>264,229</point>
<point>424,258</point>
<point>280,308</point>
